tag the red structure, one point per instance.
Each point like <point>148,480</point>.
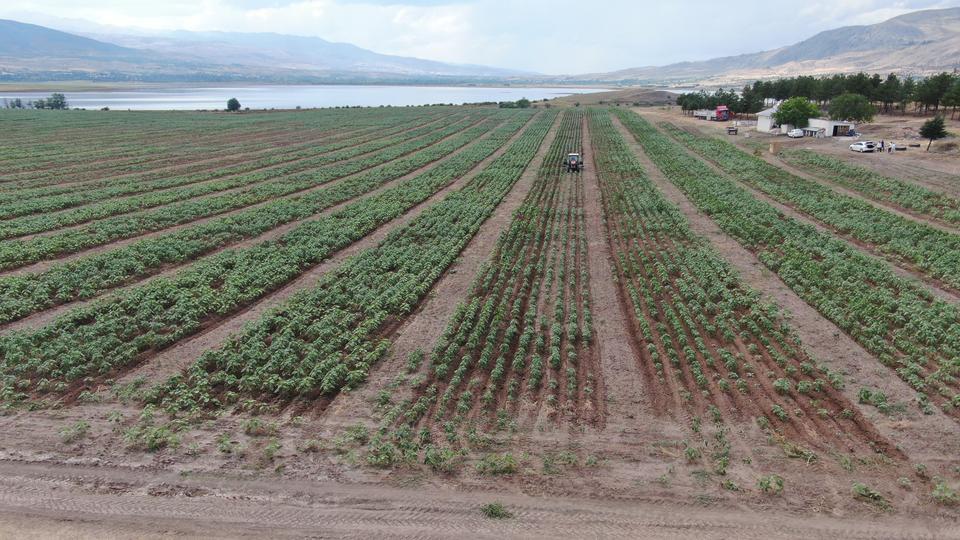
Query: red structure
<point>720,114</point>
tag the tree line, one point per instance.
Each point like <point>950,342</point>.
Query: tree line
<point>890,94</point>
<point>56,101</point>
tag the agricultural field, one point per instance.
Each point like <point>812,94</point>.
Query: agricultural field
<point>257,320</point>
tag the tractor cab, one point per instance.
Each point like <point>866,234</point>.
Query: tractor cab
<point>574,163</point>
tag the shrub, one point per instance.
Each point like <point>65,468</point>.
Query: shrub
<point>497,464</point>
<point>771,484</point>
<point>496,510</point>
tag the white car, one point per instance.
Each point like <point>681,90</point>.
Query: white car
<point>795,133</point>
<point>863,146</point>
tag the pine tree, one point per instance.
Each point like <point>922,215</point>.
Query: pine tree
<point>933,129</point>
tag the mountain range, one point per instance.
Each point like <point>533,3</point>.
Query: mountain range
<point>32,52</point>
<point>916,43</point>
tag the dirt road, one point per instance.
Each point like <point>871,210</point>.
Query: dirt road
<point>79,502</point>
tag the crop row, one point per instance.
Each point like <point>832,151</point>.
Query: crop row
<point>525,328</point>
<point>17,253</point>
<point>932,251</point>
<point>114,332</point>
<point>903,194</point>
<point>209,161</point>
<point>897,320</point>
<point>126,141</point>
<point>110,201</point>
<point>708,342</point>
<point>88,276</point>
<point>326,338</point>
<point>107,161</point>
<point>149,173</point>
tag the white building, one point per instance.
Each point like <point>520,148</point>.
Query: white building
<point>765,121</point>
<point>817,127</point>
<point>824,127</point>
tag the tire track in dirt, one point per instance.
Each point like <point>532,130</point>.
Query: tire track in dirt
<point>181,355</point>
<point>901,268</point>
<point>44,317</point>
<point>918,437</point>
<point>623,385</point>
<point>422,328</point>
<point>47,264</point>
<point>124,503</point>
<point>631,416</point>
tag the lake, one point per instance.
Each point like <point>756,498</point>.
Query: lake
<point>289,97</point>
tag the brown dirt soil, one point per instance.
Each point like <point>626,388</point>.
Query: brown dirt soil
<point>82,502</point>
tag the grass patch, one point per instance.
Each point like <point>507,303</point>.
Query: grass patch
<point>495,510</point>
<point>75,432</point>
<point>497,464</point>
<point>865,492</point>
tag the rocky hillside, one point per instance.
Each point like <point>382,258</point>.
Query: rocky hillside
<point>916,43</point>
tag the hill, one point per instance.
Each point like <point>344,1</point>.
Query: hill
<point>29,52</point>
<point>272,51</point>
<point>919,42</point>
<point>28,41</point>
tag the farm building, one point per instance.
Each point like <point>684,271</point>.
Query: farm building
<point>817,127</point>
<point>765,121</point>
<point>824,127</point>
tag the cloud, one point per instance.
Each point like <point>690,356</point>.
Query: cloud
<point>551,36</point>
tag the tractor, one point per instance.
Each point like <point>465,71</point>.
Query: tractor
<point>574,163</point>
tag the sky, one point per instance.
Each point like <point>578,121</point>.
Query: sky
<point>545,36</point>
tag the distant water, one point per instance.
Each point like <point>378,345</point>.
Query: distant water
<point>289,97</point>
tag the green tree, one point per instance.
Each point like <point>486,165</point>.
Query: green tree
<point>851,107</point>
<point>889,91</point>
<point>933,129</point>
<point>233,105</point>
<point>907,94</point>
<point>57,101</point>
<point>952,98</point>
<point>796,111</point>
<point>523,103</point>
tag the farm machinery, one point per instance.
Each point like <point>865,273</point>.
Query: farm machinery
<point>574,163</point>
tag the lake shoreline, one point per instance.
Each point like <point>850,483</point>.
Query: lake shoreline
<point>267,97</point>
<point>109,86</point>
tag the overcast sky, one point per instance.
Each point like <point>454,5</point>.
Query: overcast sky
<point>548,36</point>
